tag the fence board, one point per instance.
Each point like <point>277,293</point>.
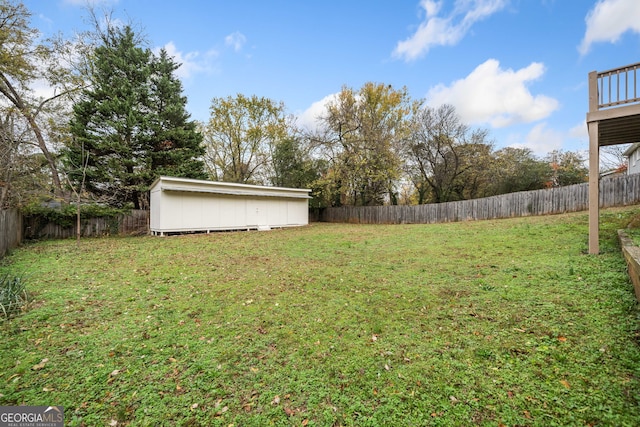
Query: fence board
<point>10,230</point>
<point>620,190</point>
<point>136,222</point>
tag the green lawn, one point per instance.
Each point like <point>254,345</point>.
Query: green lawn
<point>488,323</point>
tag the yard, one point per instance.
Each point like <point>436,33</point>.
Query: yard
<point>490,323</point>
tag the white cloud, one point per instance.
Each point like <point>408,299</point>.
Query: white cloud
<point>580,131</point>
<point>42,89</point>
<point>445,30</point>
<point>495,96</point>
<point>310,118</point>
<point>541,140</point>
<point>191,62</point>
<point>608,20</point>
<point>235,40</point>
<point>45,19</point>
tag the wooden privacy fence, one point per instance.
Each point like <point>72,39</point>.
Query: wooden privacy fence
<point>136,222</point>
<point>10,230</point>
<point>614,191</point>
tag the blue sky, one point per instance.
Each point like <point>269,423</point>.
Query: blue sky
<point>515,67</point>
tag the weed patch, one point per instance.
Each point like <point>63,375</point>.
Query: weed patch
<point>13,295</point>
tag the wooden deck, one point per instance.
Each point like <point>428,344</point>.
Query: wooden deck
<point>613,118</point>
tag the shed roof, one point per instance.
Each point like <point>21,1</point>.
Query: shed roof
<point>167,183</point>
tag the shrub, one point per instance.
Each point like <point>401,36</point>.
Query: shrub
<point>13,295</point>
<point>65,215</point>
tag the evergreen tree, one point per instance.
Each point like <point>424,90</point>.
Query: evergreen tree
<point>131,125</point>
<point>292,165</point>
<point>177,144</point>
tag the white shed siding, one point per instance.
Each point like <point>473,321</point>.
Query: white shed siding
<point>295,215</point>
<point>181,205</point>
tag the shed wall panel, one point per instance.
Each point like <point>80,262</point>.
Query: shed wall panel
<point>155,214</point>
<point>192,211</point>
<point>232,212</point>
<point>297,212</point>
<point>257,212</point>
<point>277,215</point>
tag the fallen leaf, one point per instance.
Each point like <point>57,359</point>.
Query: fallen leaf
<point>40,365</point>
<point>305,422</point>
<point>527,414</point>
<point>453,399</point>
<point>289,411</point>
<point>194,406</point>
<point>565,383</point>
<point>386,367</point>
<point>562,339</point>
<point>275,400</point>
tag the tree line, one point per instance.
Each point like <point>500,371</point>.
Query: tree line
<point>115,119</point>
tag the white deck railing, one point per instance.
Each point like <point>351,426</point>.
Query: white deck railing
<point>614,87</point>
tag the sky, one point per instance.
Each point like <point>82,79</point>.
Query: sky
<point>517,68</point>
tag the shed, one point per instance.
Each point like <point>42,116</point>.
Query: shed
<point>180,205</point>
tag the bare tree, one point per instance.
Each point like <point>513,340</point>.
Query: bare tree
<point>437,152</point>
<point>24,61</point>
<point>612,157</point>
<point>21,174</point>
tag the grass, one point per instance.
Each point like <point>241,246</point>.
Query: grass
<point>492,323</point>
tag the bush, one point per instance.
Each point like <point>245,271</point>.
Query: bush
<point>65,215</point>
<point>13,295</point>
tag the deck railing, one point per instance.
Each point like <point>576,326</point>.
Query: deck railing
<point>614,87</point>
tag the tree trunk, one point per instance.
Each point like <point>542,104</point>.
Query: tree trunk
<point>14,97</point>
<point>47,154</point>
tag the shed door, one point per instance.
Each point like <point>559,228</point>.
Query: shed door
<point>257,212</point>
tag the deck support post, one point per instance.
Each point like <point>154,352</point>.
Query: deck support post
<point>594,191</point>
